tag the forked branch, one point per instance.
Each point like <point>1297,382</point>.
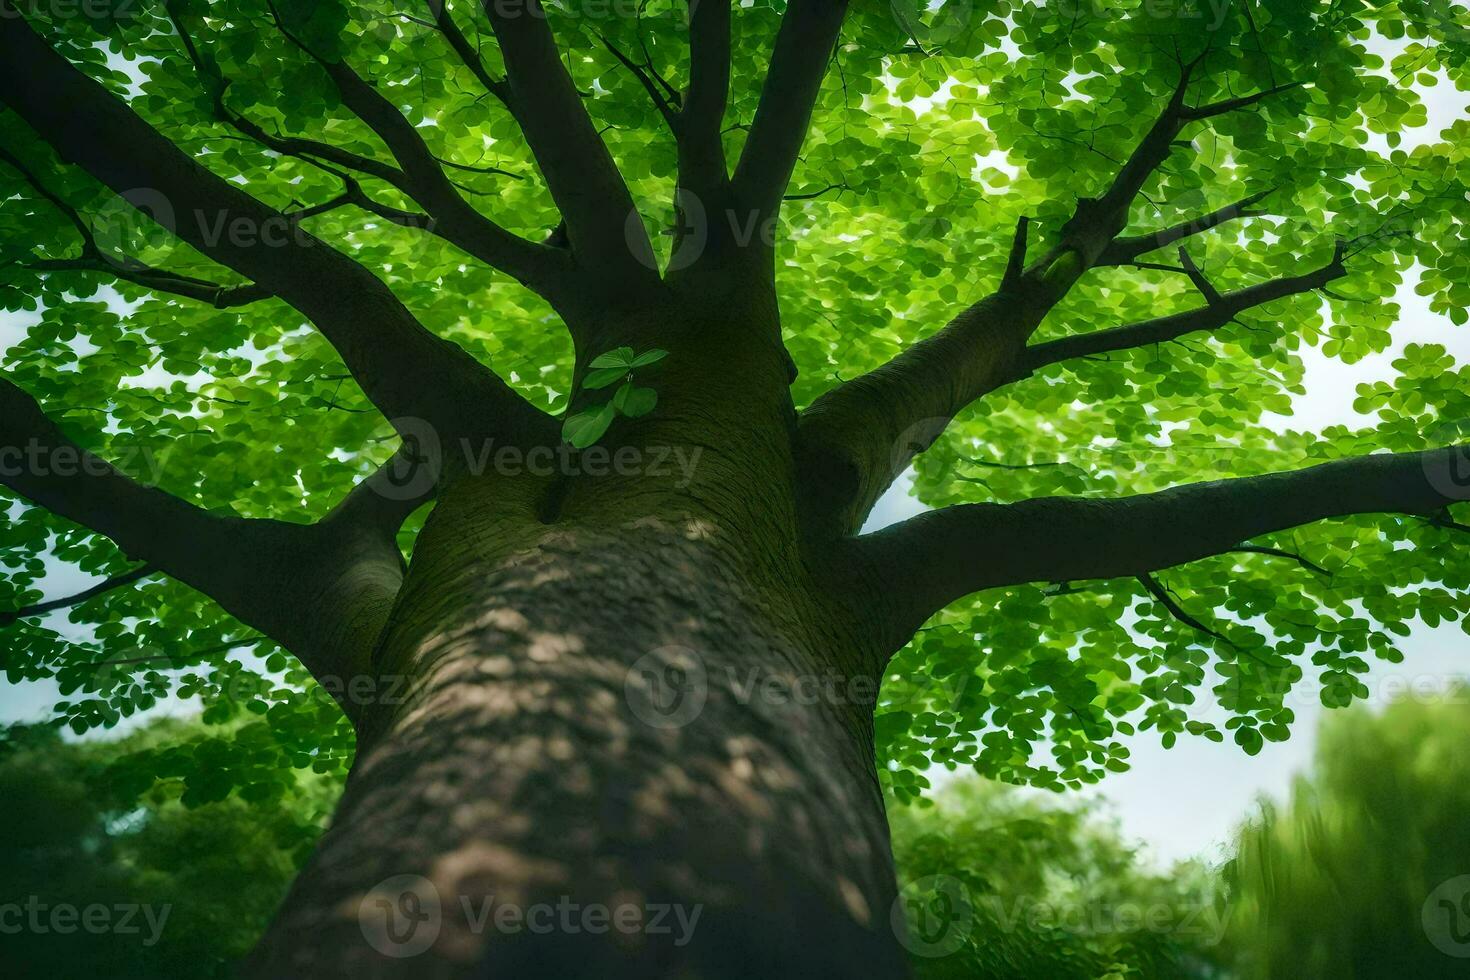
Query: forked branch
<point>1220,309</point>
<point>322,591</point>
<point>405,370</point>
<point>124,267</point>
<point>856,438</point>
<point>1124,251</point>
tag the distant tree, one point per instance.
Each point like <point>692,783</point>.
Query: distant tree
<point>1001,884</point>
<point>1365,873</point>
<point>210,875</point>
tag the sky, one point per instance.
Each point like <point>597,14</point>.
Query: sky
<point>1176,803</point>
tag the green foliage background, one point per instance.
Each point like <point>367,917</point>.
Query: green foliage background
<point>1336,882</point>
<point>1052,891</point>
<point>216,871</point>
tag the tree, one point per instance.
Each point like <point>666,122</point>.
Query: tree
<point>1042,889</point>
<point>189,888</point>
<point>631,668</point>
<point>1362,872</point>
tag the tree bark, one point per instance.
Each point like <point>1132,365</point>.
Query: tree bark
<point>639,750</point>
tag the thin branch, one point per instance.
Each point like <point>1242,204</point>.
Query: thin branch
<point>1443,520</point>
<point>813,195</point>
<point>101,588</point>
<point>446,26</point>
<point>1163,598</point>
<point>997,465</point>
<point>1195,113</point>
<point>660,100</point>
<point>1255,549</point>
<point>1159,267</point>
<point>480,170</point>
<point>1124,251</point>
<point>1201,282</point>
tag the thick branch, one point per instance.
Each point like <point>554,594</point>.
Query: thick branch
<point>405,370</point>
<point>702,166</point>
<point>580,172</point>
<point>858,437</point>
<point>931,560</point>
<point>804,46</point>
<point>455,220</point>
<point>322,591</point>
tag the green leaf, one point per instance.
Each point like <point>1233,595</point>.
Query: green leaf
<point>634,401</point>
<point>1248,739</point>
<point>585,428</point>
<point>648,357</point>
<point>603,377</point>
<point>622,357</point>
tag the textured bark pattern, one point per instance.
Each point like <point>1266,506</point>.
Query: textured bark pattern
<point>539,760</point>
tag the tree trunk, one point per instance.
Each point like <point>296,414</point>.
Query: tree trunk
<point>634,748</point>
